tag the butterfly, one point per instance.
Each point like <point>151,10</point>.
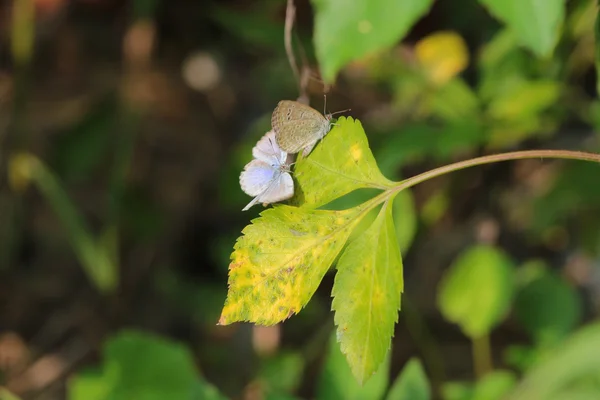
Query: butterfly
<point>298,126</point>
<point>267,177</point>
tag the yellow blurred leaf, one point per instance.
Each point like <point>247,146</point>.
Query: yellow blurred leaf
<point>6,395</point>
<point>22,30</point>
<point>20,170</point>
<point>443,55</point>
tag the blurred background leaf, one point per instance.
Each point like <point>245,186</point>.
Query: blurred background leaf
<point>535,24</point>
<point>141,366</point>
<point>345,32</point>
<point>337,382</point>
<point>546,305</point>
<point>411,383</point>
<point>143,114</point>
<point>477,290</point>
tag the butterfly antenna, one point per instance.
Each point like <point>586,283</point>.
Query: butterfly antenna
<point>324,104</point>
<point>338,112</point>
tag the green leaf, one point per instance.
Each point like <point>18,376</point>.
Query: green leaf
<point>91,385</point>
<point>477,289</point>
<point>575,359</point>
<point>494,385</point>
<point>282,373</point>
<point>573,191</point>
<point>577,394</point>
<point>525,99</point>
<point>141,358</point>
<point>280,396</point>
<point>405,217</point>
<point>348,30</point>
<point>337,383</point>
<point>6,395</point>
<point>522,357</point>
<point>139,366</point>
<point>367,289</point>
<point>202,390</point>
<point>411,384</point>
<point>341,163</point>
<point>280,260</point>
<point>535,23</point>
<point>353,199</point>
<point>548,307</point>
<point>457,391</point>
<point>455,102</point>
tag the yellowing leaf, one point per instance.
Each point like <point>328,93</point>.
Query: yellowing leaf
<point>443,55</point>
<point>341,163</point>
<point>367,291</point>
<point>477,290</point>
<point>280,260</point>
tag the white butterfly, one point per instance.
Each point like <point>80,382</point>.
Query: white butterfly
<point>267,177</point>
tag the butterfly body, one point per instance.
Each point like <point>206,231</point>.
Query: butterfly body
<point>267,177</point>
<point>298,126</point>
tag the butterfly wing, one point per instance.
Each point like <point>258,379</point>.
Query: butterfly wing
<point>282,188</point>
<point>268,151</point>
<point>297,125</point>
<point>257,176</point>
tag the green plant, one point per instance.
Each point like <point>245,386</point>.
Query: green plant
<point>141,366</point>
<point>282,256</point>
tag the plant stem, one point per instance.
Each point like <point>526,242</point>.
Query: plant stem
<point>516,155</point>
<point>96,263</point>
<point>482,355</point>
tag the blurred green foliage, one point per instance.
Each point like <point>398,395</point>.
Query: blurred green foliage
<point>140,366</point>
<point>411,383</point>
<point>337,381</point>
<point>477,290</point>
<point>471,77</point>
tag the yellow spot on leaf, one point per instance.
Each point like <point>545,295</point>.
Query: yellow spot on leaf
<point>340,221</point>
<point>356,152</point>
